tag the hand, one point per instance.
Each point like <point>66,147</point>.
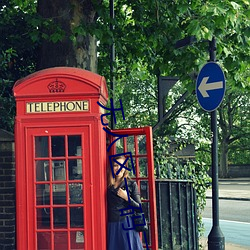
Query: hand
<point>123,194</point>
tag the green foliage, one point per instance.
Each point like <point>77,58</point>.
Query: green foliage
<point>15,32</point>
<point>6,99</point>
<point>145,36</point>
<point>147,31</point>
<point>7,107</point>
<point>17,54</point>
<point>137,90</point>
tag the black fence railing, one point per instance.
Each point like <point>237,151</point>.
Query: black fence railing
<point>176,212</point>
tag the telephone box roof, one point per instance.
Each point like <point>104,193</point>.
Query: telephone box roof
<point>94,81</point>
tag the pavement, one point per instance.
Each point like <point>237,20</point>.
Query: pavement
<point>230,194</point>
<point>228,246</point>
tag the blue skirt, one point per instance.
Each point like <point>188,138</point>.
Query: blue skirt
<point>120,239</point>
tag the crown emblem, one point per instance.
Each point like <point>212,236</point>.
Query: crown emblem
<point>56,86</point>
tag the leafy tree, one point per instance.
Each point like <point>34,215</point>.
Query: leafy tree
<point>234,117</point>
<point>156,26</point>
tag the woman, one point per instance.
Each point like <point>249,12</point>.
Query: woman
<point>118,238</point>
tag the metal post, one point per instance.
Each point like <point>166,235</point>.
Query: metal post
<point>216,240</point>
<point>212,49</point>
<point>112,59</point>
<point>160,108</point>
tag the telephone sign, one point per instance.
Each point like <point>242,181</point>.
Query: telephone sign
<point>210,86</point>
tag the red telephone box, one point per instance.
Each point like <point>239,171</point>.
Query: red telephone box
<point>61,162</point>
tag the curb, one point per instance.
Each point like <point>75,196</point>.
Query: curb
<point>243,179</point>
<point>230,198</point>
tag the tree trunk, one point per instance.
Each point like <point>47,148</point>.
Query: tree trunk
<point>75,49</point>
<point>223,166</point>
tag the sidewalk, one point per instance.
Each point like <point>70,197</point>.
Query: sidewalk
<point>228,246</point>
<point>231,194</point>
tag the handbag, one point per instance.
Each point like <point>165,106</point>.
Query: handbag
<point>139,222</point>
<point>138,218</point>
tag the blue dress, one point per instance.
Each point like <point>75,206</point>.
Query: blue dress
<point>118,237</point>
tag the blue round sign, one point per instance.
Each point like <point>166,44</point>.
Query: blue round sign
<point>210,86</point>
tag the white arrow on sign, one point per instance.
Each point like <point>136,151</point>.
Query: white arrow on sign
<point>204,86</point>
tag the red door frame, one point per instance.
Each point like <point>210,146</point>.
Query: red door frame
<point>147,131</point>
<point>32,182</point>
<point>96,165</point>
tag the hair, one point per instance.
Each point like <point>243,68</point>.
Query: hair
<point>111,179</point>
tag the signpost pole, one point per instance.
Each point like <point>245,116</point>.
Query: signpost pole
<point>216,240</point>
